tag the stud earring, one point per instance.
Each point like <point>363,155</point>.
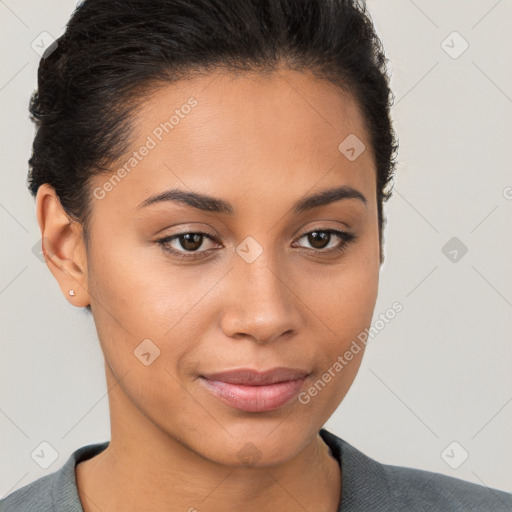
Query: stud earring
<point>72,293</point>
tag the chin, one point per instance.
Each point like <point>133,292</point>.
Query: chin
<point>254,444</point>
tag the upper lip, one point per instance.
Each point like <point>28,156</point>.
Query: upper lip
<point>249,377</point>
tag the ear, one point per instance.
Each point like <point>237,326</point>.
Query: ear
<point>63,246</point>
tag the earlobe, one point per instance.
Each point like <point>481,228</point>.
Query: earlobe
<point>63,246</point>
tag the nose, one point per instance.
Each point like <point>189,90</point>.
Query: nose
<point>260,303</point>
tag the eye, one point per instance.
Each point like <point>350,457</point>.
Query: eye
<point>320,240</point>
<point>186,245</point>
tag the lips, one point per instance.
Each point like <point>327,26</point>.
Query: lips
<point>247,377</point>
<point>255,391</point>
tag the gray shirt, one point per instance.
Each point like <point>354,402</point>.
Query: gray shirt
<point>368,486</point>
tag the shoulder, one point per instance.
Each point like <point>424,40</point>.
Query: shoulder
<point>34,497</point>
<point>370,485</point>
<point>431,491</point>
<point>54,492</point>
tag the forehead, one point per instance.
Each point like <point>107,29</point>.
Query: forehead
<point>254,131</point>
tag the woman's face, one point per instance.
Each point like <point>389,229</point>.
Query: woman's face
<point>269,289</point>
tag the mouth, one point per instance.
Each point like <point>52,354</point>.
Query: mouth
<point>255,391</point>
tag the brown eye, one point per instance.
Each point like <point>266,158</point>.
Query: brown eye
<point>186,245</point>
<point>191,241</point>
<point>320,240</point>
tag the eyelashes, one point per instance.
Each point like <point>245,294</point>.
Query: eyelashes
<point>189,239</point>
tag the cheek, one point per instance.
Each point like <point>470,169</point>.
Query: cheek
<point>344,301</point>
<point>133,289</point>
<point>147,311</point>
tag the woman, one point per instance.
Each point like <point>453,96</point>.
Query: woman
<point>209,180</point>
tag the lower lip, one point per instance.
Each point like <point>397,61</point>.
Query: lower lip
<point>254,398</point>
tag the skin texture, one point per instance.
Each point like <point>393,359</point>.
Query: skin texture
<point>261,142</point>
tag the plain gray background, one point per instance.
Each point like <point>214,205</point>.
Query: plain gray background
<point>435,383</point>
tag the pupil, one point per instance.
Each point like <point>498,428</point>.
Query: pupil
<point>190,239</point>
<point>315,237</point>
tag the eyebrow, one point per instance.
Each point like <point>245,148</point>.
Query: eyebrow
<point>211,204</point>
